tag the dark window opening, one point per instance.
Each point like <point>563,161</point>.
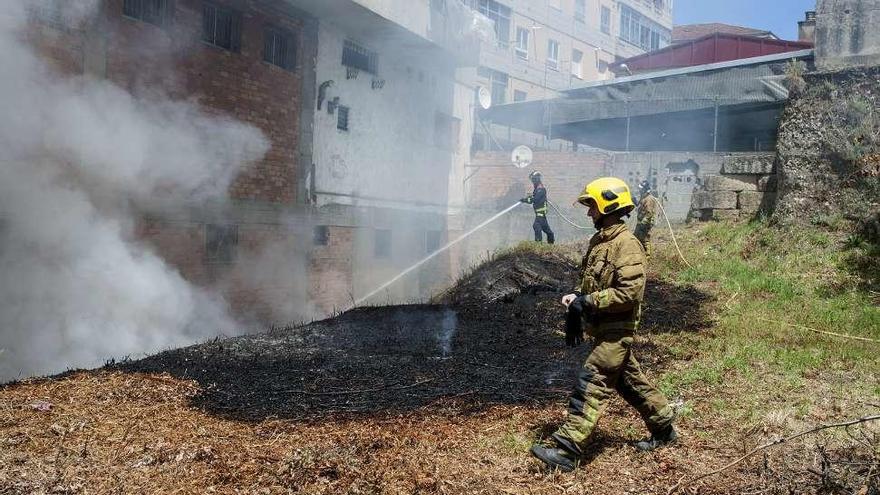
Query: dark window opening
<point>519,95</point>
<point>356,56</point>
<point>342,118</point>
<point>221,27</point>
<point>382,245</point>
<point>580,10</point>
<point>321,235</point>
<point>446,131</point>
<point>221,243</point>
<point>432,241</point>
<point>605,23</point>
<point>151,11</point>
<point>498,82</point>
<point>279,48</point>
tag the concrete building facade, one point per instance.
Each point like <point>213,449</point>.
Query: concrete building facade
<point>543,47</point>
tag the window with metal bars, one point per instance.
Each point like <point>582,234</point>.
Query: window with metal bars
<point>356,56</point>
<point>221,27</point>
<point>221,243</point>
<point>279,48</point>
<point>152,11</point>
<point>342,118</point>
<point>321,235</point>
<point>500,15</point>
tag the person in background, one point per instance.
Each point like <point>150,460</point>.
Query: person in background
<point>646,214</point>
<point>538,200</point>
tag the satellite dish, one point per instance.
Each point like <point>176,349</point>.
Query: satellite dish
<point>484,97</point>
<point>521,157</point>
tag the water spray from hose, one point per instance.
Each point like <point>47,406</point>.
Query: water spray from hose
<point>433,255</point>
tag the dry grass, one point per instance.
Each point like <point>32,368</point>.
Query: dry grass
<point>111,432</point>
<point>115,431</point>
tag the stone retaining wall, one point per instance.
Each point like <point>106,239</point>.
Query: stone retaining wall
<point>744,188</point>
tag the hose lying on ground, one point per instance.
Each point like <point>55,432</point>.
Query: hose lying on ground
<point>671,231</point>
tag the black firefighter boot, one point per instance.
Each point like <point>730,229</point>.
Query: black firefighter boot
<point>660,438</point>
<point>555,457</point>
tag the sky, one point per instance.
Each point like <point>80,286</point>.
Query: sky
<point>779,16</point>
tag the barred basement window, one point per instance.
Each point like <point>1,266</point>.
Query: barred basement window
<point>221,27</point>
<point>342,118</point>
<point>279,48</point>
<point>221,243</point>
<point>321,235</point>
<point>151,11</point>
<point>356,56</point>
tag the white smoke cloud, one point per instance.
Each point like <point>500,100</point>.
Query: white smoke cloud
<point>77,158</point>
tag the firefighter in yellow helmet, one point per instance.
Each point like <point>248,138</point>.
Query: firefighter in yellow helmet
<point>607,304</point>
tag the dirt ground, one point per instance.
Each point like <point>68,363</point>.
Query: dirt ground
<point>443,398</point>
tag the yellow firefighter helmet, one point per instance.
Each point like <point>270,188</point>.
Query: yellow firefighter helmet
<point>610,194</point>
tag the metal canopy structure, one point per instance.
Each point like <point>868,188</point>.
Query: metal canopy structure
<point>728,106</point>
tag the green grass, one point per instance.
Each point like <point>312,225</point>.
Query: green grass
<point>766,278</point>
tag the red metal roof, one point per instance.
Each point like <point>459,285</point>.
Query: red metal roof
<point>709,49</point>
<point>690,32</point>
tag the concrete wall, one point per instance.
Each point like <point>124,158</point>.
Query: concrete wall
<point>496,184</point>
<point>744,188</point>
<point>846,33</point>
<point>395,147</point>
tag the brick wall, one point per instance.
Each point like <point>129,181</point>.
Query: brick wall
<point>171,59</point>
<point>239,85</point>
<point>146,59</point>
<point>330,270</point>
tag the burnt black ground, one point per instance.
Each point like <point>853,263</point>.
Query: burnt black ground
<point>493,340</point>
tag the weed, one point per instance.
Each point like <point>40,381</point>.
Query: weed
<point>794,77</point>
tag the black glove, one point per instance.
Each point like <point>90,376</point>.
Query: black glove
<point>574,331</point>
<point>583,304</point>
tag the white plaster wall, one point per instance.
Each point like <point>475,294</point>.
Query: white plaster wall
<point>387,166</point>
<point>414,15</point>
<point>389,151</point>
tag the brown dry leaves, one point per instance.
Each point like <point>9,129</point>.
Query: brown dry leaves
<point>112,432</point>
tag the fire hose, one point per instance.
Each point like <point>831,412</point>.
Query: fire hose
<point>665,217</point>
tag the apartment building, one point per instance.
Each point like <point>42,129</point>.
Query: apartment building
<point>366,122</point>
<point>550,45</point>
<point>546,46</point>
